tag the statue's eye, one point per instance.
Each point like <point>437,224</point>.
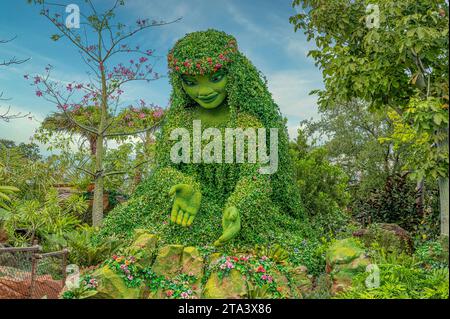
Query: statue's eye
<point>217,77</point>
<point>189,82</point>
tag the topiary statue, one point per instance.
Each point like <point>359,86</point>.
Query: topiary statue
<point>186,201</point>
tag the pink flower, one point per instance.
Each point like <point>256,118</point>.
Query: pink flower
<point>264,277</point>
<point>37,79</point>
<point>158,113</point>
<point>141,115</point>
<point>169,293</point>
<point>142,59</point>
<point>260,269</point>
<point>130,277</point>
<point>38,93</point>
<point>184,295</point>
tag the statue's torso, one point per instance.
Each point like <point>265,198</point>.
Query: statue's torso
<point>218,179</point>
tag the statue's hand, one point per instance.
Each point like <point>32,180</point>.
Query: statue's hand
<point>231,225</point>
<point>186,204</point>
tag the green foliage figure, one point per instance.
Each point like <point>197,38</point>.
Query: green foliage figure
<point>188,202</point>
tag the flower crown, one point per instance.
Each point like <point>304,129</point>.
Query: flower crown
<point>203,64</point>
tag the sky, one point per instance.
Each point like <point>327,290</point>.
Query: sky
<point>261,28</point>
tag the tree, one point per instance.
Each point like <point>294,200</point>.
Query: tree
<point>106,81</point>
<point>395,56</point>
<point>322,184</point>
<point>6,115</point>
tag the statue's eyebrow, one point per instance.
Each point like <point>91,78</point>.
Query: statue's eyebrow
<point>187,77</point>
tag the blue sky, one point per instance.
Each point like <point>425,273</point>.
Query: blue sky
<point>260,26</point>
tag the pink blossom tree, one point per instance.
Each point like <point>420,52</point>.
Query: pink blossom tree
<point>99,41</point>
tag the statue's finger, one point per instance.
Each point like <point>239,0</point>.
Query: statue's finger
<point>190,220</point>
<point>218,242</point>
<point>180,216</point>
<point>174,188</point>
<point>174,213</point>
<point>185,219</point>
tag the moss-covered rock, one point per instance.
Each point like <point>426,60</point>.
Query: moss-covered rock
<point>343,252</point>
<point>112,286</point>
<point>345,259</point>
<point>168,260</point>
<point>146,244</point>
<point>230,287</point>
<point>192,262</point>
<point>191,272</point>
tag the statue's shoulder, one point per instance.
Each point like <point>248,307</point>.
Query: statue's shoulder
<point>244,119</point>
<point>179,117</point>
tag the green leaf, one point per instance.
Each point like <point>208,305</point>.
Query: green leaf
<point>55,37</point>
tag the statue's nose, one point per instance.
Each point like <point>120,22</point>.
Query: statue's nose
<point>205,91</point>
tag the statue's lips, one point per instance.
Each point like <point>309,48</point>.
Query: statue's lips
<point>209,98</point>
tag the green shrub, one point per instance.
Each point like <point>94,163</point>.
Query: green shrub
<point>323,185</point>
<point>83,250</point>
<point>311,254</point>
<point>401,282</point>
<point>401,277</point>
<point>36,220</point>
<point>432,254</point>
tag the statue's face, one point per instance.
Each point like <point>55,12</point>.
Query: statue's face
<point>207,90</point>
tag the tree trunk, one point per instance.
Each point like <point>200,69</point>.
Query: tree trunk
<point>443,194</point>
<point>443,198</point>
<point>97,205</point>
<point>420,197</point>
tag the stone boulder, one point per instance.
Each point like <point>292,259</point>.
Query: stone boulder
<point>112,286</point>
<point>345,259</point>
<point>231,287</point>
<point>391,237</point>
<point>178,271</point>
<point>192,262</point>
<point>168,261</point>
<point>144,244</point>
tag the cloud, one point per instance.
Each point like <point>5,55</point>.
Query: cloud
<point>290,90</point>
<point>19,130</point>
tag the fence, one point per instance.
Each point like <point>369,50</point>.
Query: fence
<point>26,273</point>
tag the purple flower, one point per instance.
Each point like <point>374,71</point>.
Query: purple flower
<point>38,93</point>
<point>142,59</point>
